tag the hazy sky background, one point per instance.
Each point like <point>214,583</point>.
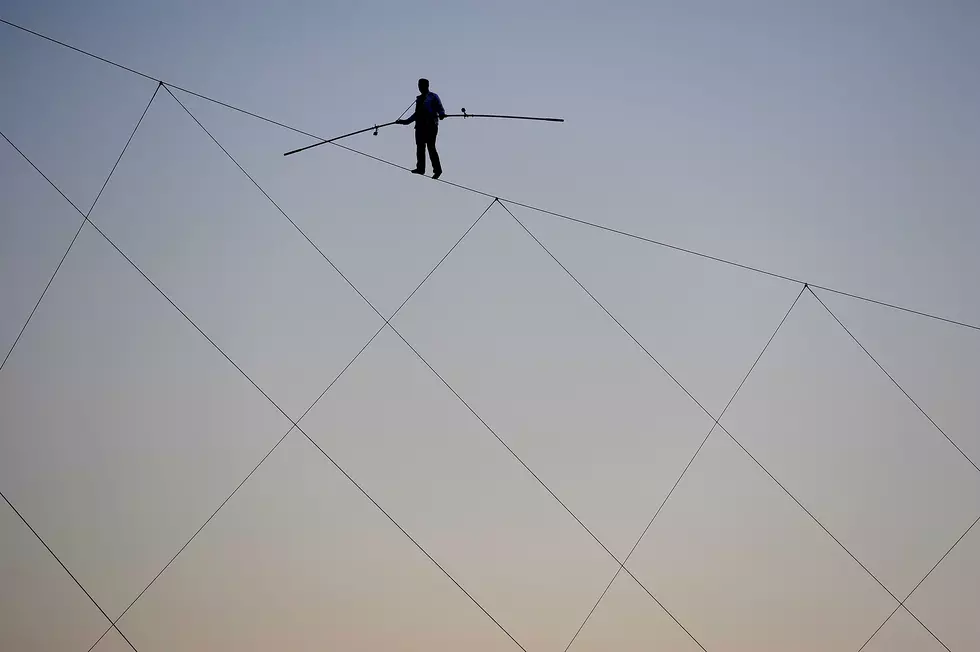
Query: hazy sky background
<point>834,142</point>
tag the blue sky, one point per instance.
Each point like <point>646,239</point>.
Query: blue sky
<point>827,142</point>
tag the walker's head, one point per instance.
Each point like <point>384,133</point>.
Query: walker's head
<point>423,85</point>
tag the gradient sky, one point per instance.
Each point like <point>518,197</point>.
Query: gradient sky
<point>833,142</point>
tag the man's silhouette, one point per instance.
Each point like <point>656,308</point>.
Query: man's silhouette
<point>428,113</point>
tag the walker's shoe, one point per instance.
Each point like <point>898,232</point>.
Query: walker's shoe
<point>418,171</point>
<point>437,174</point>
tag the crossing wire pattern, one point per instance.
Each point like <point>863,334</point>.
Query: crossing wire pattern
<point>643,348</point>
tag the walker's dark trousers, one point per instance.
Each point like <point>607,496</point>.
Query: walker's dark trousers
<point>427,138</point>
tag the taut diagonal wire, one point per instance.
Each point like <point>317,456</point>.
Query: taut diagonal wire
<point>273,202</point>
<point>85,219</point>
<point>291,428</point>
<point>455,393</point>
<point>920,582</point>
<point>295,425</point>
<point>895,382</point>
<point>737,442</point>
<point>78,231</point>
<point>65,568</point>
<point>934,424</point>
<point>831,535</point>
<point>627,234</point>
<point>680,477</point>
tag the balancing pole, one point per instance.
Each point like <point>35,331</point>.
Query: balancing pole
<point>464,114</point>
<point>353,133</point>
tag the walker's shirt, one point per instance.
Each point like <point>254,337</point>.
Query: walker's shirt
<point>428,108</point>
